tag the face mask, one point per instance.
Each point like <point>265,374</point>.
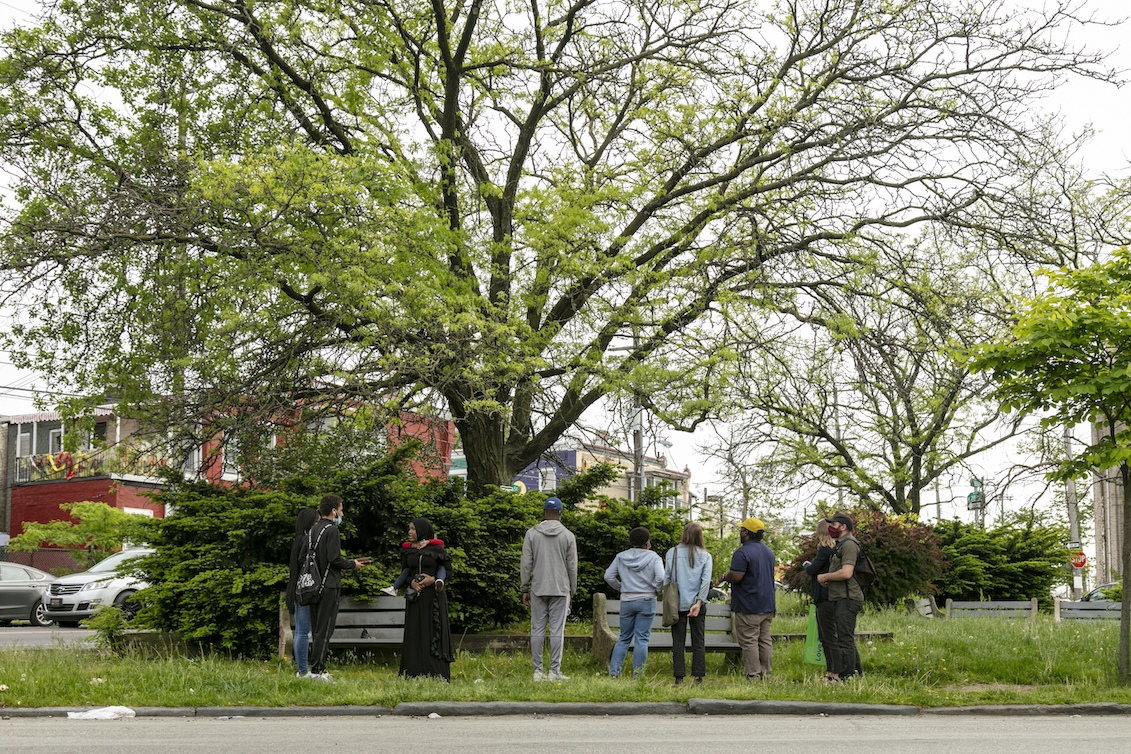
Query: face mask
<point>338,521</point>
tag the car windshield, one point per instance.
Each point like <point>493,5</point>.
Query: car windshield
<point>111,563</point>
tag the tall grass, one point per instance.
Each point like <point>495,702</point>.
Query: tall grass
<point>929,662</point>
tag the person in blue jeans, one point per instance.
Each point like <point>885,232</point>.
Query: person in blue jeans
<point>638,573</point>
<point>305,520</point>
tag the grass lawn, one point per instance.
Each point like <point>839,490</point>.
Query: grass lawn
<point>930,663</point>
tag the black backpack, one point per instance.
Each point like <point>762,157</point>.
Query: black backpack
<point>308,588</point>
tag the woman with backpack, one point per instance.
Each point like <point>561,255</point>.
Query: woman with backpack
<point>306,519</point>
<point>688,565</point>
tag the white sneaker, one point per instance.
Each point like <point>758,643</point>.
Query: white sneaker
<point>307,674</point>
<point>539,675</point>
<point>324,677</point>
<point>557,676</point>
<point>389,592</point>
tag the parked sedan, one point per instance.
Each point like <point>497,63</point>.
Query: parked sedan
<point>1097,594</point>
<point>75,597</point>
<point>22,591</point>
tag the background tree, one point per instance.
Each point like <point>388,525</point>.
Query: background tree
<point>94,531</point>
<point>290,208</point>
<point>866,390</point>
<point>1068,360</point>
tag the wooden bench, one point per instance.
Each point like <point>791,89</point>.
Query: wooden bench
<point>360,625</point>
<point>927,607</point>
<point>1086,610</point>
<point>1000,609</point>
<point>606,630</point>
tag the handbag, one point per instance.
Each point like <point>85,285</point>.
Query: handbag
<point>814,650</point>
<point>671,594</point>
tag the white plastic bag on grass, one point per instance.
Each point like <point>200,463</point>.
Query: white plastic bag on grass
<point>102,713</point>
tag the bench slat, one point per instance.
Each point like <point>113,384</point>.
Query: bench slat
<point>370,635</point>
<point>712,624</point>
<point>714,609</point>
<point>1003,605</point>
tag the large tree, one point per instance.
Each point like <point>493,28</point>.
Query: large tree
<point>1068,360</point>
<point>513,210</point>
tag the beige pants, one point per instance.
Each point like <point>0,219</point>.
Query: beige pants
<point>752,631</point>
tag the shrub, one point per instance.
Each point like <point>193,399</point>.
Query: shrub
<point>1022,558</point>
<point>906,555</point>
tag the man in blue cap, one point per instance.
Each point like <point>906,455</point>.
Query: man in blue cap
<point>549,580</point>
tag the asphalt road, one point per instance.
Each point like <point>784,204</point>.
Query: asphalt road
<point>46,636</point>
<point>570,735</point>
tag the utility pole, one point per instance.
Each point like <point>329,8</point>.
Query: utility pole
<point>1073,521</point>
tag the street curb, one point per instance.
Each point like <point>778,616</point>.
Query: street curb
<point>335,711</point>
<point>1033,710</point>
<point>779,707</point>
<point>463,709</point>
<point>600,709</point>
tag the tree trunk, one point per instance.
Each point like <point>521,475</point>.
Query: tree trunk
<point>1125,607</point>
<point>483,445</point>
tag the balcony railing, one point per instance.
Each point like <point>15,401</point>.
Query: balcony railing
<point>81,464</point>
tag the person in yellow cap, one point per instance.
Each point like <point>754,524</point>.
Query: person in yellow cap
<point>752,599</point>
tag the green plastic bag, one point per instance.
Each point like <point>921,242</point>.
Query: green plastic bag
<point>814,652</point>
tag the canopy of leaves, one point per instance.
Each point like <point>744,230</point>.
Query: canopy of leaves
<point>256,210</point>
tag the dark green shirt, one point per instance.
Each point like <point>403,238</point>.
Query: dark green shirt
<point>845,553</point>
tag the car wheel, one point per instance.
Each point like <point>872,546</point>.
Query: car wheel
<point>39,615</point>
<point>123,603</point>
<point>68,623</point>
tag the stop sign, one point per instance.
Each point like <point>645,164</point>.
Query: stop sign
<point>1077,559</point>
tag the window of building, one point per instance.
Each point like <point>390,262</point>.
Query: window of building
<point>55,441</point>
<point>23,441</point>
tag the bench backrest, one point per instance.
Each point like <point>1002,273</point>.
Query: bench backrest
<point>927,607</point>
<point>378,622</point>
<point>999,609</point>
<point>1086,610</point>
<point>718,617</point>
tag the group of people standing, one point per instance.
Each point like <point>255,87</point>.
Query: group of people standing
<point>640,576</point>
<point>425,567</point>
<point>548,577</point>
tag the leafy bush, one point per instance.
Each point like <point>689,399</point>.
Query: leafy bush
<point>95,531</point>
<point>1022,558</point>
<point>220,565</point>
<point>109,624</point>
<point>906,555</point>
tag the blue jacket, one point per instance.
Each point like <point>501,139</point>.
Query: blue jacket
<point>636,571</point>
<point>692,581</point>
<point>819,565</point>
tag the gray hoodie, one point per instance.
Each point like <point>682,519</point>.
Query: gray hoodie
<point>636,573</point>
<point>549,561</point>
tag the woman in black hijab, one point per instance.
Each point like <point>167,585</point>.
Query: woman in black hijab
<point>425,565</point>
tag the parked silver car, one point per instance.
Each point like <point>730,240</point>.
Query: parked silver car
<point>75,597</point>
<point>22,592</point>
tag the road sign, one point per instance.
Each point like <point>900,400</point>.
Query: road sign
<point>1078,559</point>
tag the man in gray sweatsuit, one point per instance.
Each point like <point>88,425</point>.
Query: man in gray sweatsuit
<point>549,580</point>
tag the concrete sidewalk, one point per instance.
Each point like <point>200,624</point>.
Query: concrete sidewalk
<point>600,709</point>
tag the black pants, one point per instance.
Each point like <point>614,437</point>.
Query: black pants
<point>323,614</point>
<point>698,644</point>
<point>826,630</point>
<point>840,633</point>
